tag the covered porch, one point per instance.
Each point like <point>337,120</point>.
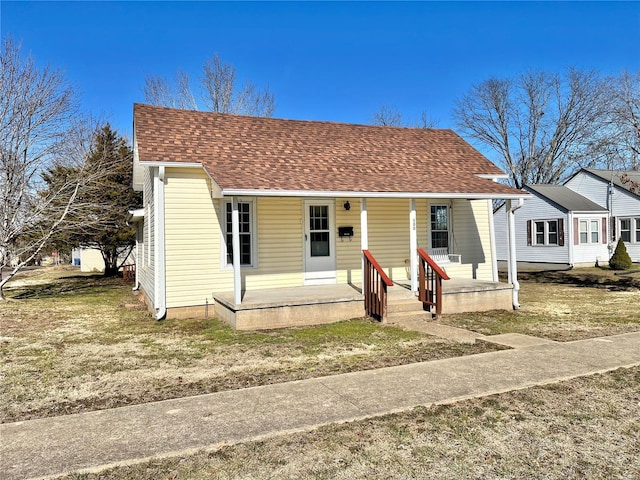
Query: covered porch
<point>319,304</point>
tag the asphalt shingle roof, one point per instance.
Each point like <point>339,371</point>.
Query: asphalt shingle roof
<point>256,153</point>
<point>565,198</point>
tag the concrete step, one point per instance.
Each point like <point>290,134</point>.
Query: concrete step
<point>408,316</point>
<point>406,305</point>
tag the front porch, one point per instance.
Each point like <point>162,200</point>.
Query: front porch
<point>319,304</point>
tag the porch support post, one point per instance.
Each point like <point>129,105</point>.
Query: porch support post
<point>413,244</point>
<point>364,235</point>
<point>235,243</point>
<point>513,263</point>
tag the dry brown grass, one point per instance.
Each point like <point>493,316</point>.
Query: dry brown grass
<point>564,306</point>
<point>583,428</point>
<point>70,344</point>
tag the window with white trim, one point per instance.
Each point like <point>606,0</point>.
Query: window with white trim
<point>630,230</point>
<point>545,232</point>
<point>589,231</point>
<point>246,232</point>
<point>439,226</point>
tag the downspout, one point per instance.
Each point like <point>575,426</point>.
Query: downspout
<point>513,263</point>
<point>160,273</point>
<point>570,234</point>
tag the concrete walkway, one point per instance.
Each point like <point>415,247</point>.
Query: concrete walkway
<point>95,440</point>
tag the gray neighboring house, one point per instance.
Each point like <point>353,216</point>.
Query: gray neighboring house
<point>556,226</point>
<point>609,189</point>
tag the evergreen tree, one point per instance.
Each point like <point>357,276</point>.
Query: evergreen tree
<point>620,259</point>
<point>99,217</point>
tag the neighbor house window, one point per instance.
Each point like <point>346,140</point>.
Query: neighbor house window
<point>546,232</point>
<point>246,231</point>
<point>439,226</point>
<point>625,229</point>
<point>589,231</point>
<point>630,230</point>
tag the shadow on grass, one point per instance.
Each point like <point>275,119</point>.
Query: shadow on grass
<point>66,285</point>
<point>604,279</point>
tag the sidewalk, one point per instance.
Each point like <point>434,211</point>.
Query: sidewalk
<point>92,441</point>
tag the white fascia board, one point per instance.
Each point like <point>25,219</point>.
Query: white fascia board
<point>216,190</point>
<point>493,176</point>
<point>138,171</point>
<point>348,194</point>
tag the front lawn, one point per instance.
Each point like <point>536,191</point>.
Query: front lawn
<point>73,342</point>
<point>564,305</point>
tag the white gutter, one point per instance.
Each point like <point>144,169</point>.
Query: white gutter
<point>351,194</point>
<point>159,253</point>
<point>513,262</point>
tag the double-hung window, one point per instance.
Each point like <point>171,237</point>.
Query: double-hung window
<point>546,232</point>
<point>630,230</point>
<point>246,233</point>
<point>589,231</point>
<point>439,226</point>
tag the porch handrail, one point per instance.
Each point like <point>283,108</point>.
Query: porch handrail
<point>375,288</point>
<point>430,282</point>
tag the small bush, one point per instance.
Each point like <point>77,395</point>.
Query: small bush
<point>620,259</point>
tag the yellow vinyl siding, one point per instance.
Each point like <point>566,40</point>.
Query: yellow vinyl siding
<point>472,239</point>
<point>388,221</point>
<point>279,242</point>
<point>348,252</point>
<point>192,239</point>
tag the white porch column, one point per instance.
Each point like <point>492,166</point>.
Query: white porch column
<point>235,243</point>
<point>364,234</point>
<point>513,263</point>
<point>413,244</point>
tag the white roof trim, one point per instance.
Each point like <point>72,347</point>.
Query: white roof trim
<point>493,176</point>
<point>324,194</point>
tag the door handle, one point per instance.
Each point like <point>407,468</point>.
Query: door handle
<point>305,237</point>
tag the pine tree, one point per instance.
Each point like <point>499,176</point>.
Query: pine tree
<point>100,214</point>
<point>620,259</point>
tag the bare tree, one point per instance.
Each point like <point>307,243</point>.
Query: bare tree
<point>38,128</point>
<point>390,116</point>
<point>217,92</point>
<point>625,119</point>
<point>542,125</point>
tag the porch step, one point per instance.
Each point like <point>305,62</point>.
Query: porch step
<point>405,305</point>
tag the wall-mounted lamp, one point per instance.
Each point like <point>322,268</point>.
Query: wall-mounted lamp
<point>347,205</point>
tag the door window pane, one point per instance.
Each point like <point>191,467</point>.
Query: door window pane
<point>320,244</point>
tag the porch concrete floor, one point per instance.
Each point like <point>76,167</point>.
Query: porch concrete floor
<point>315,294</point>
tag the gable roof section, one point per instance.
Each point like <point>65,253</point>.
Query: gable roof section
<point>565,198</point>
<point>614,176</point>
<point>260,155</point>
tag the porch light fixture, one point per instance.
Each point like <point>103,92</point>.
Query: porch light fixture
<point>347,205</point>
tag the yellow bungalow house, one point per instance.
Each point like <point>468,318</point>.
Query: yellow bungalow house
<point>267,222</point>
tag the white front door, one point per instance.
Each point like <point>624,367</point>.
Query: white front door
<point>319,242</point>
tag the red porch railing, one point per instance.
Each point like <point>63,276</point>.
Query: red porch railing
<point>375,288</point>
<point>430,282</point>
<point>129,273</point>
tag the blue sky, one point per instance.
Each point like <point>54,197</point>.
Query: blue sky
<point>323,61</point>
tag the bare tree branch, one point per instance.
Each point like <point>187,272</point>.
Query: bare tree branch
<point>541,125</point>
<point>217,91</point>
